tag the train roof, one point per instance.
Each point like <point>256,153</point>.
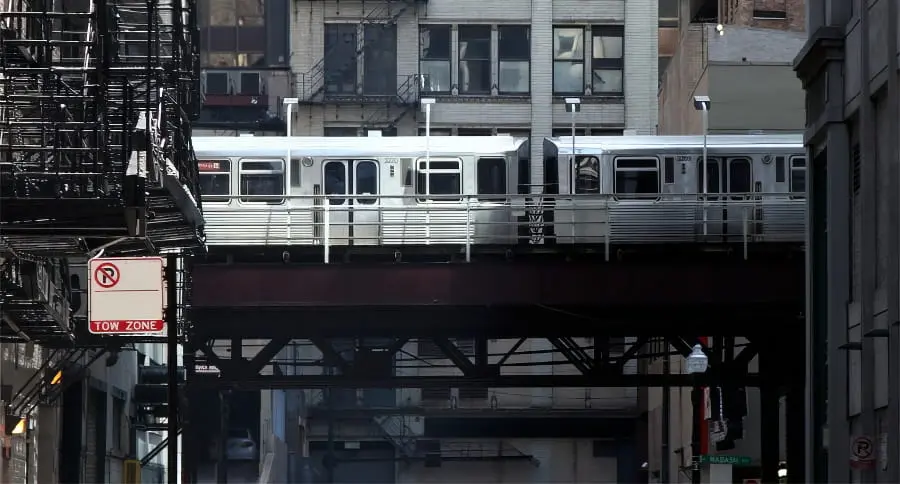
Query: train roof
<point>275,146</point>
<point>594,144</point>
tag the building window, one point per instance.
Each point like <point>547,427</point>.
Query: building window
<point>434,58</point>
<point>474,59</point>
<point>587,174</point>
<point>217,83</point>
<point>341,131</point>
<point>251,84</point>
<point>568,60</point>
<point>215,180</point>
<point>340,59</point>
<point>380,66</point>
<point>234,33</point>
<point>514,53</point>
<point>444,178</point>
<point>669,13</point>
<point>437,132</point>
<point>262,181</point>
<point>118,423</point>
<point>491,179</point>
<point>637,178</point>
<point>559,132</point>
<point>607,60</point>
<point>474,132</point>
<point>771,9</point>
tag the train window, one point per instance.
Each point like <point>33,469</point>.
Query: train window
<point>637,177</point>
<point>444,178</point>
<point>262,181</point>
<point>491,179</point>
<point>215,180</point>
<point>670,169</point>
<point>587,174</point>
<point>798,176</point>
<point>295,173</point>
<point>366,181</point>
<point>715,176</point>
<point>779,169</point>
<point>335,174</point>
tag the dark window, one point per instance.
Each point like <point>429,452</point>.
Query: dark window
<point>714,185</point>
<point>740,177</point>
<point>568,60</point>
<point>437,132</point>
<point>475,59</point>
<point>559,132</point>
<point>474,132</point>
<point>434,58</point>
<point>514,52</point>
<point>491,178</point>
<point>637,178</point>
<point>236,33</point>
<point>444,178</point>
<point>587,174</point>
<point>338,131</point>
<point>335,181</point>
<point>250,84</point>
<point>670,169</point>
<point>779,169</point>
<point>607,60</point>
<point>215,179</point>
<point>473,393</point>
<point>262,181</point>
<point>798,175</point>
<point>118,422</point>
<point>340,59</point>
<point>380,61</point>
<point>366,181</point>
<point>669,12</point>
<point>216,83</point>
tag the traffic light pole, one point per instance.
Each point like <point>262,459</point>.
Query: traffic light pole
<point>172,366</point>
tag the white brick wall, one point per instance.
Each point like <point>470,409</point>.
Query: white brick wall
<point>638,112</point>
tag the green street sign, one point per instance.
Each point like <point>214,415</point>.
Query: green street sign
<point>735,460</point>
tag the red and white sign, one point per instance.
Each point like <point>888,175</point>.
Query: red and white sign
<point>126,295</point>
<point>862,452</point>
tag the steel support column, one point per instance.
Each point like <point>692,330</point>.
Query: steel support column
<point>221,462</point>
<point>769,436</point>
<point>172,366</point>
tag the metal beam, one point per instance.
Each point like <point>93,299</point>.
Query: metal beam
<point>265,355</point>
<point>574,353</point>
<point>453,353</point>
<point>331,357</point>
<point>710,378</point>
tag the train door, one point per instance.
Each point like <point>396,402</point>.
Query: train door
<point>365,219</point>
<point>354,216</point>
<point>739,186</point>
<point>711,211</point>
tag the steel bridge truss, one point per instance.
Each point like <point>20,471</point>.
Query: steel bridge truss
<point>596,366</point>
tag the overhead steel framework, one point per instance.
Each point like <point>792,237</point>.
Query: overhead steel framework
<point>94,125</point>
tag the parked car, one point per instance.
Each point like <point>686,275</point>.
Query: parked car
<point>238,446</point>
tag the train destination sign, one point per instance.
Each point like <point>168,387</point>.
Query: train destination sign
<point>126,296</point>
<point>214,165</point>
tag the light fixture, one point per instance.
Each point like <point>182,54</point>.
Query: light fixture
<point>57,378</point>
<point>697,361</point>
<point>19,429</point>
<point>720,29</point>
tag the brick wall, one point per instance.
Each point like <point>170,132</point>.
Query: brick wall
<point>740,12</point>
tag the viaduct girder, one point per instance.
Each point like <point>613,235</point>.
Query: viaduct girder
<point>594,366</point>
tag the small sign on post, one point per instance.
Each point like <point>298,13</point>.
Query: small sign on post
<point>862,452</point>
<point>126,296</point>
<point>735,460</point>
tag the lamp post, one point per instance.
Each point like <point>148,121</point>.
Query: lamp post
<point>702,104</point>
<point>426,106</point>
<point>289,103</point>
<point>696,363</point>
<point>573,105</point>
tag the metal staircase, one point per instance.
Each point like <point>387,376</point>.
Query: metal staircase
<point>76,76</point>
<point>61,369</point>
<point>396,107</point>
<point>312,84</point>
<point>394,429</point>
<point>35,298</point>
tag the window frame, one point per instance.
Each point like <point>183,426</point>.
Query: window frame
<point>575,190</point>
<point>217,198</point>
<point>421,172</point>
<point>275,199</point>
<point>331,50</point>
<point>570,62</point>
<point>347,165</point>
<point>504,174</point>
<point>793,169</point>
<point>485,61</point>
<point>608,63</point>
<point>516,59</point>
<point>636,197</point>
<point>361,198</point>
<point>425,59</point>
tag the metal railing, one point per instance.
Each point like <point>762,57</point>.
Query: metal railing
<point>470,220</point>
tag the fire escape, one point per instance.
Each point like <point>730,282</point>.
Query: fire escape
<point>95,150</point>
<point>339,77</point>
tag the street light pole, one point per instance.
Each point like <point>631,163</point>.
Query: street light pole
<point>573,105</point>
<point>696,363</point>
<point>702,103</point>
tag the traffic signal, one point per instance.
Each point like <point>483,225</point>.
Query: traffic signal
<point>153,383</point>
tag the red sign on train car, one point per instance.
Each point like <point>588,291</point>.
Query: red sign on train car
<point>214,165</point>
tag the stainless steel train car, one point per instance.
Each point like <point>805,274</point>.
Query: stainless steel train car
<point>649,189</point>
<point>361,191</point>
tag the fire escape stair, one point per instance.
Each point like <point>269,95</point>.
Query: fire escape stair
<point>394,429</point>
<point>61,369</point>
<point>36,302</point>
<point>396,107</point>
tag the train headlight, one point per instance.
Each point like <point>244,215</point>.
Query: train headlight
<point>307,161</point>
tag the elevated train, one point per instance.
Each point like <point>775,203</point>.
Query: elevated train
<point>406,191</point>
